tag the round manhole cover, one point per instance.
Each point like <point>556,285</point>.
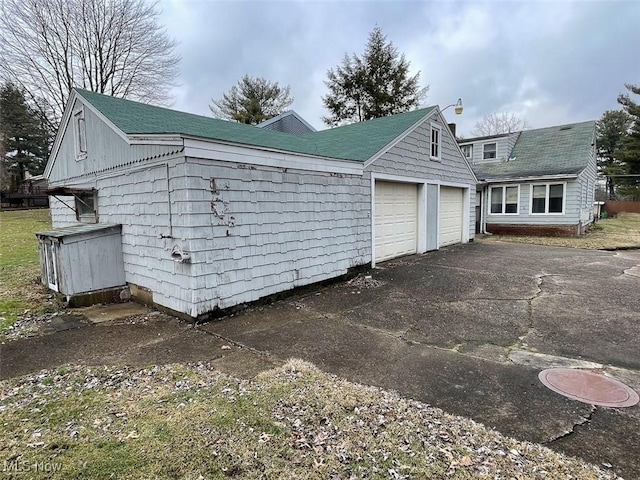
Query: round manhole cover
<point>588,387</point>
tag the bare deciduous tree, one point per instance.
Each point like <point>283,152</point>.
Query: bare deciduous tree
<point>115,47</point>
<point>498,123</point>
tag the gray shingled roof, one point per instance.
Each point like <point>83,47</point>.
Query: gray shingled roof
<point>358,141</point>
<point>559,150</point>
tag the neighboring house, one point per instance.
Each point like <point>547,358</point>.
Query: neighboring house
<point>211,214</point>
<point>29,194</point>
<point>288,122</point>
<point>535,182</point>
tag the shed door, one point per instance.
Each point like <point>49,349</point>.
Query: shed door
<point>396,220</point>
<point>50,264</point>
<point>451,215</point>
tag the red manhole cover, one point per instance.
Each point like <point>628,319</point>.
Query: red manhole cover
<point>588,387</point>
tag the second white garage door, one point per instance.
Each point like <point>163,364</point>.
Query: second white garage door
<point>450,216</point>
<point>396,220</point>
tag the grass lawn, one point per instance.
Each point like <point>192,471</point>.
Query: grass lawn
<point>20,287</point>
<point>295,422</point>
<point>608,233</point>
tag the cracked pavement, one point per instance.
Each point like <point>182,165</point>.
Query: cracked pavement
<point>467,329</point>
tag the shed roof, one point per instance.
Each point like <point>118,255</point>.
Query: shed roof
<point>358,141</point>
<point>559,150</point>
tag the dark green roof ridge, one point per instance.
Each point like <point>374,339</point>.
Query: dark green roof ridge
<point>359,141</point>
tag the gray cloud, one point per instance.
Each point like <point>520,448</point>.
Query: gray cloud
<point>548,62</point>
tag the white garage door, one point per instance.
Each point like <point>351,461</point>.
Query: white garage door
<point>451,215</point>
<point>396,220</point>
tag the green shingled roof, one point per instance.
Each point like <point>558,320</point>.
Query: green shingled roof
<point>358,141</point>
<point>559,150</point>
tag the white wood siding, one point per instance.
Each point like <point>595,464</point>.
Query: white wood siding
<point>139,199</point>
<point>106,150</point>
<point>254,231</point>
<point>504,147</point>
<point>570,217</point>
<point>61,214</point>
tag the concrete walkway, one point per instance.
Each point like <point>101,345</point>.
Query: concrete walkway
<point>467,329</point>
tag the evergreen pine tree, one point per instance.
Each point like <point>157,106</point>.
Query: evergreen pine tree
<point>374,85</point>
<point>24,136</point>
<point>629,150</point>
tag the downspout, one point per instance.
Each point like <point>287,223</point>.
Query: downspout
<point>483,209</point>
<point>168,205</point>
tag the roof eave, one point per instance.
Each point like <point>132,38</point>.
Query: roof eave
<point>528,178</point>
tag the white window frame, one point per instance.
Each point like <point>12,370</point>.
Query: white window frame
<point>470,150</point>
<point>80,134</point>
<point>504,200</point>
<point>437,142</point>
<point>484,146</point>
<point>546,198</point>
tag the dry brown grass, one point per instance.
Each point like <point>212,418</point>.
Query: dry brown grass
<point>609,233</point>
<point>295,422</point>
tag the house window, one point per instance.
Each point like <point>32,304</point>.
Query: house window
<point>467,150</point>
<point>435,142</point>
<point>85,207</point>
<point>504,200</point>
<point>547,198</point>
<point>80,135</point>
<point>489,151</point>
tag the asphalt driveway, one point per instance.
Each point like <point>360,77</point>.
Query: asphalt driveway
<point>467,329</point>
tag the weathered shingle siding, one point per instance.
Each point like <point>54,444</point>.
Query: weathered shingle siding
<point>138,198</point>
<point>504,146</point>
<point>410,158</point>
<point>587,179</point>
<point>262,230</point>
<point>288,124</point>
<point>105,150</point>
<point>61,214</point>
<point>571,214</point>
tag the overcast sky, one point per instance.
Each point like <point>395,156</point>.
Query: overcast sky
<point>549,62</point>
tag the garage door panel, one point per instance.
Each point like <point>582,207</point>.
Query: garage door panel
<point>396,220</point>
<point>451,213</point>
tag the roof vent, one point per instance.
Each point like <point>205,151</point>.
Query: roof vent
<point>566,127</point>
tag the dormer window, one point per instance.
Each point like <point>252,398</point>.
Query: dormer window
<point>80,134</point>
<point>467,150</point>
<point>489,151</point>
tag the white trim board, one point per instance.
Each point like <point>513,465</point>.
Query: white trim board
<point>246,154</point>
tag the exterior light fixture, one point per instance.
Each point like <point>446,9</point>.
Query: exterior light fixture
<point>457,107</point>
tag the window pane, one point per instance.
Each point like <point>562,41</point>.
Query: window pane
<point>539,199</point>
<point>467,150</point>
<point>555,198</point>
<point>511,204</point>
<point>496,200</point>
<point>435,143</point>
<point>489,150</point>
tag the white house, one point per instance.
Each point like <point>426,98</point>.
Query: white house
<point>535,182</point>
<point>214,213</point>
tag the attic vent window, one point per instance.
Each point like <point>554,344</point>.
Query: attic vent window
<point>80,131</point>
<point>566,127</point>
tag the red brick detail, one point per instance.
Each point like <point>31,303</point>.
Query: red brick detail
<point>534,230</point>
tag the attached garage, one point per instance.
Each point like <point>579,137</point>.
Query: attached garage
<point>451,216</point>
<point>396,219</point>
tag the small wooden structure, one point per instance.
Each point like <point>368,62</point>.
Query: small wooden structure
<point>82,259</point>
